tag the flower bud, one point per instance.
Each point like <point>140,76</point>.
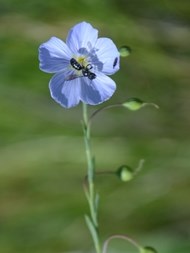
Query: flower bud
<point>125,173</point>
<point>148,249</point>
<point>124,51</point>
<point>133,104</point>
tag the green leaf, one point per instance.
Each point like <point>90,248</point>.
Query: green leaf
<point>92,229</point>
<point>97,198</point>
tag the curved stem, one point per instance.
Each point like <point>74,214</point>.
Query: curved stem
<point>102,109</point>
<point>92,221</point>
<point>123,237</point>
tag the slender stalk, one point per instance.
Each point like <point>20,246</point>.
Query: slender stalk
<point>104,108</point>
<point>123,237</point>
<point>92,221</point>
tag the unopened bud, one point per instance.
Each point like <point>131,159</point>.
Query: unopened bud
<point>135,104</point>
<point>124,51</point>
<point>125,173</point>
<point>148,249</point>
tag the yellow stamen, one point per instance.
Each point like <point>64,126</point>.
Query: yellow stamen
<point>82,60</point>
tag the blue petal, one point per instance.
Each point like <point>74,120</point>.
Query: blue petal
<point>54,55</point>
<point>97,90</point>
<point>82,36</point>
<point>66,93</point>
<point>108,55</point>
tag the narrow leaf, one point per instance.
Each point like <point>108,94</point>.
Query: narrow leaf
<point>92,229</point>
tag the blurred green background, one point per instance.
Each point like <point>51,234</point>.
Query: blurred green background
<point>42,160</point>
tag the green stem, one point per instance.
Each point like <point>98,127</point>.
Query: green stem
<point>123,237</point>
<point>90,192</point>
<point>104,108</point>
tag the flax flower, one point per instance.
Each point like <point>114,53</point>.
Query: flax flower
<point>81,66</point>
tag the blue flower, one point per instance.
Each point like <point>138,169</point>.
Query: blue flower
<point>81,66</point>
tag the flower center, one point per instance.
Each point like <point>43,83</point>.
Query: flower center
<point>82,61</point>
<point>82,67</point>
